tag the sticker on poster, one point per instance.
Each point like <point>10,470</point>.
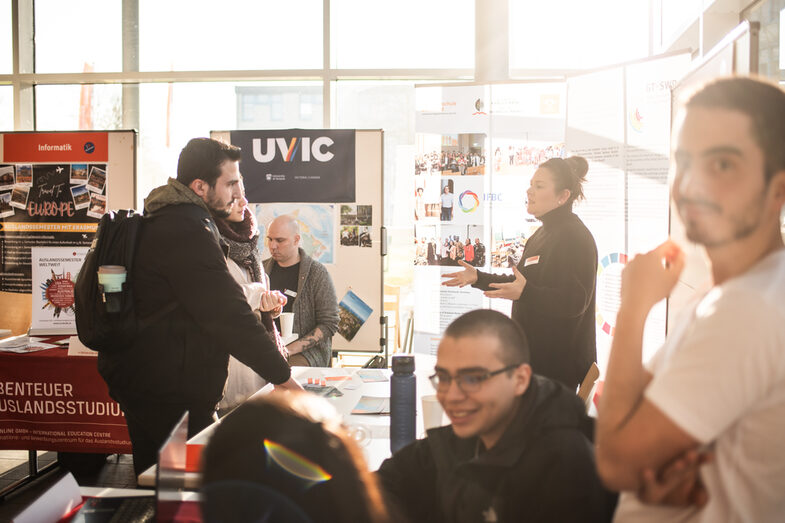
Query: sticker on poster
<point>353,313</point>
<point>349,236</point>
<point>365,239</point>
<point>97,206</point>
<point>7,178</point>
<point>5,205</point>
<point>19,197</point>
<point>97,180</point>
<point>81,196</point>
<point>24,175</point>
<point>79,173</point>
<point>352,214</point>
<point>450,154</point>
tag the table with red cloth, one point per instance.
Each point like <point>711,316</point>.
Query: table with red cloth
<point>52,401</point>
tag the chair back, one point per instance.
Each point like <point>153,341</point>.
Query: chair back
<point>584,391</point>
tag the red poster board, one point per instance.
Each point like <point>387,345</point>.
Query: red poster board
<point>50,401</point>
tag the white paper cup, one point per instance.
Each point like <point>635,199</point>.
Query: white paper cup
<point>287,323</point>
<point>111,277</point>
<point>432,412</point>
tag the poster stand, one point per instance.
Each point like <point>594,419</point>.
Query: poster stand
<point>54,186</point>
<point>347,235</point>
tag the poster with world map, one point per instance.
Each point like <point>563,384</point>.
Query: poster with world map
<point>317,225</point>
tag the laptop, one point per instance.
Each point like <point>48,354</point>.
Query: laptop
<point>169,484</point>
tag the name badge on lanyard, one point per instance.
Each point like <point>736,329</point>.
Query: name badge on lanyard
<point>291,293</point>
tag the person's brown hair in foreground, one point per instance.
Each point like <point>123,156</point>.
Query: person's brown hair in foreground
<point>286,457</point>
<point>718,382</point>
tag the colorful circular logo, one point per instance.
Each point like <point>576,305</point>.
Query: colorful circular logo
<point>612,259</point>
<point>89,147</point>
<point>636,120</point>
<point>468,201</point>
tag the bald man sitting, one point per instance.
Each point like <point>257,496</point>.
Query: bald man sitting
<point>309,290</point>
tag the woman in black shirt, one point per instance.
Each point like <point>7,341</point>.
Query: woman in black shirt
<point>553,286</point>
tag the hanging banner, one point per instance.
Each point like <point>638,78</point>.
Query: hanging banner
<point>52,193</point>
<point>297,165</point>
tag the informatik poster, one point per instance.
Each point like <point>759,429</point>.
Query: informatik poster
<point>52,194</point>
<point>297,165</point>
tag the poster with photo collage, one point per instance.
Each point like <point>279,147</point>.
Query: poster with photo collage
<point>50,196</point>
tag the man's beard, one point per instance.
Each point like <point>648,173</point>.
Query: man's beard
<point>217,207</point>
<point>741,225</point>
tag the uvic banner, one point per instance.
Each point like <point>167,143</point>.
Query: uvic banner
<point>297,165</point>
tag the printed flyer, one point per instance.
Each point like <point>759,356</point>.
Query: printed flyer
<point>54,273</point>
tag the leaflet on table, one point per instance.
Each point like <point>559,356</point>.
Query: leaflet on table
<point>22,344</point>
<point>372,375</point>
<point>372,405</point>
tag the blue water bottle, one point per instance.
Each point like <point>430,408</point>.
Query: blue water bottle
<point>403,398</point>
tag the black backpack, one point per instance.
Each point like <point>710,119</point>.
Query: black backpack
<point>114,244</point>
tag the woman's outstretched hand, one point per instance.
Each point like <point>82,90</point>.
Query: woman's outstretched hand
<point>462,278</point>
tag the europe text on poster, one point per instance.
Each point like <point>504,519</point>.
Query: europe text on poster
<point>297,165</point>
<point>52,193</point>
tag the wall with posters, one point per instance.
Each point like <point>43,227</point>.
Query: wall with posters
<point>477,147</point>
<point>331,181</point>
<point>619,119</point>
<point>54,187</point>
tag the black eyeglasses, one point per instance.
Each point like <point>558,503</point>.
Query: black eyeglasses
<point>469,381</point>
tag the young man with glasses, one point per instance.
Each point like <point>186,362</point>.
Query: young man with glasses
<point>517,448</point>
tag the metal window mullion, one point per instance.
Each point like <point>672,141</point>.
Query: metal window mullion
<point>23,59</point>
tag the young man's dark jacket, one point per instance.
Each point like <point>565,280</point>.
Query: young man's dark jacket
<point>183,357</point>
<point>541,470</point>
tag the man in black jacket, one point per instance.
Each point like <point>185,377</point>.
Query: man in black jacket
<point>180,278</point>
<point>517,448</point>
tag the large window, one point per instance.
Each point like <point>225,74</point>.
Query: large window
<point>6,108</point>
<point>178,69</point>
<point>404,34</point>
<point>769,14</point>
<point>565,34</point>
<point>69,107</point>
<point>198,35</point>
<point>78,36</point>
<point>6,59</point>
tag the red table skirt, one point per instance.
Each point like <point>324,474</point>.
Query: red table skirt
<point>52,401</point>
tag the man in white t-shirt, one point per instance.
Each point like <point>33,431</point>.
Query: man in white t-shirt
<point>718,383</point>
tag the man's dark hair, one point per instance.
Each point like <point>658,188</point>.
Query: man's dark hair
<point>201,159</point>
<point>486,322</point>
<point>759,99</point>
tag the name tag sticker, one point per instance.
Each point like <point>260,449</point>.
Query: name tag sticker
<point>531,261</point>
<point>291,293</point>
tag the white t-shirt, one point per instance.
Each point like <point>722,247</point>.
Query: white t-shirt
<point>720,376</point>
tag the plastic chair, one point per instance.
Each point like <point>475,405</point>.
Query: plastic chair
<point>584,391</point>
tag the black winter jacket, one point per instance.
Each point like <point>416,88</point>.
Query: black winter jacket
<point>183,357</point>
<point>557,306</point>
<point>541,470</point>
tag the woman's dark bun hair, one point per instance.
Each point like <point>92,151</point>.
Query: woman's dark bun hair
<point>568,173</point>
